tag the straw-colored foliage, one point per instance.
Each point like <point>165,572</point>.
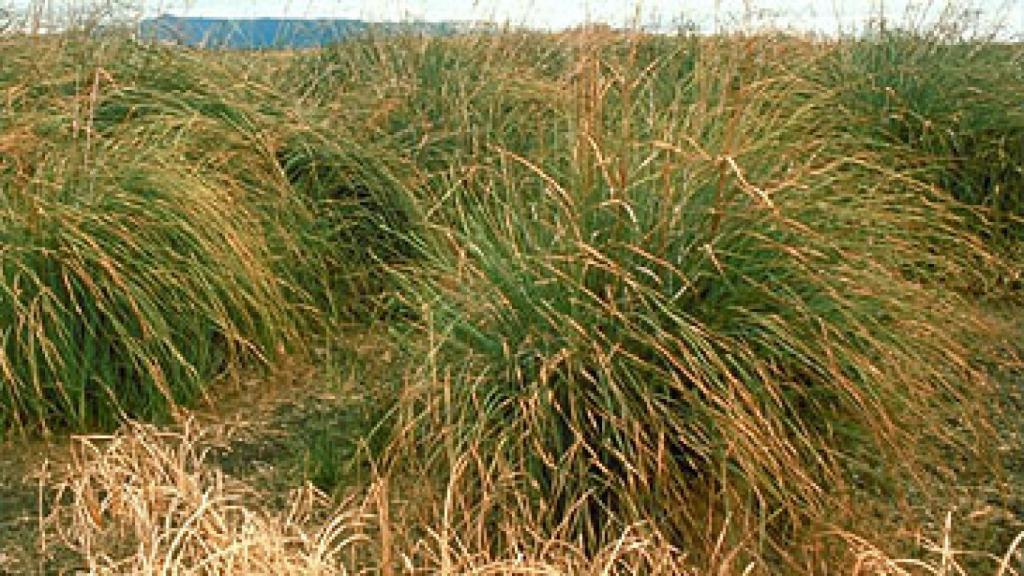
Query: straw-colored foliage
<point>146,501</point>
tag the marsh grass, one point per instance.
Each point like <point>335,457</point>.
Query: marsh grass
<point>948,97</point>
<point>151,242</point>
<point>708,293</point>
<point>96,314</point>
<point>660,304</point>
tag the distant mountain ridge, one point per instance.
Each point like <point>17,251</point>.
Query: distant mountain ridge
<point>265,33</point>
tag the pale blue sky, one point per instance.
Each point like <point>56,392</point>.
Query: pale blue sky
<point>823,15</point>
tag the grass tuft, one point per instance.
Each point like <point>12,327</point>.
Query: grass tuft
<point>711,295</point>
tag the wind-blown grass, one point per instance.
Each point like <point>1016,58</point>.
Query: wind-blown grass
<point>712,293</point>
<point>128,291</point>
<point>150,243</point>
<point>950,99</point>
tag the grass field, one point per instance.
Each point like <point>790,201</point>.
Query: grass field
<point>509,302</point>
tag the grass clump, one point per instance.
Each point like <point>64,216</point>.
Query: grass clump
<point>126,292</point>
<point>359,211</point>
<point>150,243</point>
<point>686,305</point>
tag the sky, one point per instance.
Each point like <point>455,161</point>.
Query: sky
<point>820,15</point>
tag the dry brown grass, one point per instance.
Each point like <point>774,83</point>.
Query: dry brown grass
<point>143,501</point>
<point>940,557</point>
<point>147,501</point>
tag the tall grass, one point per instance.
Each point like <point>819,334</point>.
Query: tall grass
<point>949,97</point>
<point>708,292</point>
<point>704,293</point>
<point>152,241</point>
<point>128,292</point>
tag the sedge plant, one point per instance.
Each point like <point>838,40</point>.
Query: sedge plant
<point>707,295</point>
